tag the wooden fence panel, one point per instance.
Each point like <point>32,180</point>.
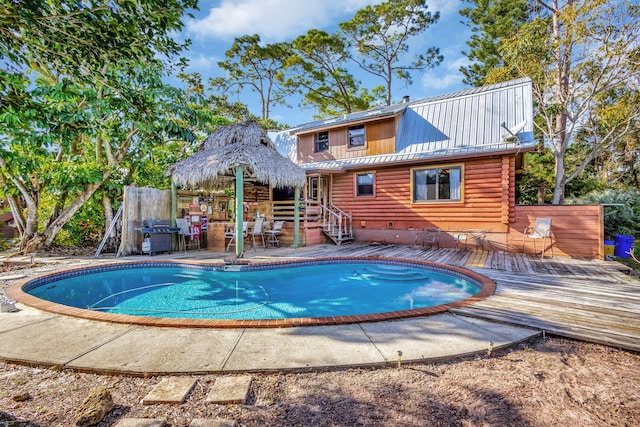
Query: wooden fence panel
<point>578,230</point>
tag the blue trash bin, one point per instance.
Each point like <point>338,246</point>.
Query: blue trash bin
<point>623,245</point>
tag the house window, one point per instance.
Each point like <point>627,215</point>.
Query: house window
<point>355,136</point>
<point>313,188</point>
<point>437,184</point>
<point>321,142</point>
<point>364,184</point>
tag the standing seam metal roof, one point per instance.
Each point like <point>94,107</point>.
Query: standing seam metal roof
<point>471,121</point>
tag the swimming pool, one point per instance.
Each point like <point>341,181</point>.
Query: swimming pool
<point>307,292</point>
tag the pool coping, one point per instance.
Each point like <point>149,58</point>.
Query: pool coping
<point>16,292</point>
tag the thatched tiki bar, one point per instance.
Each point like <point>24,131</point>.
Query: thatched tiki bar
<point>235,154</point>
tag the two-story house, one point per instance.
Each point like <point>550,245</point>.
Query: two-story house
<point>450,162</point>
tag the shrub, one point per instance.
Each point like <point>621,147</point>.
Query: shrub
<point>621,210</point>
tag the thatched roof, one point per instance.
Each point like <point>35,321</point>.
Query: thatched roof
<point>244,144</point>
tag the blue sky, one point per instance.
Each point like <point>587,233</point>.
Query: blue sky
<point>219,21</point>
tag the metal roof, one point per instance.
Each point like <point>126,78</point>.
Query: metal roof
<point>493,118</point>
<point>374,113</point>
<point>389,159</point>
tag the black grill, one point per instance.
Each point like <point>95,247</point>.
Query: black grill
<point>158,234</point>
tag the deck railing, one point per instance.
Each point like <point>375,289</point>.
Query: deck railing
<point>285,210</point>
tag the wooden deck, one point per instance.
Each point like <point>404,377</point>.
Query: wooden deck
<point>590,300</point>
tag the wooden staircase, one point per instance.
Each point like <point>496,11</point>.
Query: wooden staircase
<point>336,224</point>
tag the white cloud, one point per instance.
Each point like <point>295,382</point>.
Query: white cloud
<point>447,75</point>
<point>445,7</point>
<point>203,63</point>
<point>274,20</point>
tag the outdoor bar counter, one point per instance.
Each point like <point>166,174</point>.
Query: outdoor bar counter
<point>310,234</point>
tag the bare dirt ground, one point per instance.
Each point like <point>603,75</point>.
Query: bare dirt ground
<point>553,382</point>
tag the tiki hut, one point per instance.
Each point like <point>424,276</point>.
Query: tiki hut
<point>231,153</point>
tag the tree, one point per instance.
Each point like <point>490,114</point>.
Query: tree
<point>250,65</point>
<point>67,140</point>
<point>575,51</point>
<point>490,21</point>
<point>79,37</point>
<point>318,67</point>
<point>381,33</point>
<point>80,91</point>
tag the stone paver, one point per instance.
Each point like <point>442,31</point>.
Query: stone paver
<point>218,422</point>
<point>170,390</point>
<point>229,390</point>
<point>142,422</point>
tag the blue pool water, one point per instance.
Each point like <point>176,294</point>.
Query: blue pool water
<point>290,291</point>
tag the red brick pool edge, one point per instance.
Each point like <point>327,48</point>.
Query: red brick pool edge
<point>488,288</point>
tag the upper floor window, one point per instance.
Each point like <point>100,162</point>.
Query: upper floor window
<point>364,184</point>
<point>321,141</point>
<point>355,136</point>
<point>436,184</point>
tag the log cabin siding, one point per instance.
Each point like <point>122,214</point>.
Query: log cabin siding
<point>379,135</point>
<point>483,205</point>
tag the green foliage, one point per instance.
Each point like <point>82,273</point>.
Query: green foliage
<point>490,21</point>
<point>381,32</point>
<point>537,179</point>
<point>576,54</point>
<point>79,37</point>
<point>259,68</point>
<point>85,228</point>
<point>622,216</point>
<point>319,67</point>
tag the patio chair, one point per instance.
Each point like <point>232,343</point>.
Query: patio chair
<point>230,233</point>
<point>468,238</point>
<point>187,236</point>
<point>428,237</point>
<point>541,230</point>
<point>272,235</point>
<point>257,231</point>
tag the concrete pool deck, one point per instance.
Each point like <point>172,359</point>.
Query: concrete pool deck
<point>34,337</point>
<point>41,338</point>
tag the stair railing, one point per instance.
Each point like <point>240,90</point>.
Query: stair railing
<point>336,222</point>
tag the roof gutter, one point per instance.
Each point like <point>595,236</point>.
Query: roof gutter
<point>422,161</point>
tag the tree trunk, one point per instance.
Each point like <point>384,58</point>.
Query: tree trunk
<point>541,191</point>
<point>558,190</point>
<point>563,61</point>
<point>108,214</point>
<point>31,224</point>
<point>18,216</point>
<point>56,225</point>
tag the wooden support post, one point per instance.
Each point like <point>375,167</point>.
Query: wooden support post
<point>174,213</point>
<point>296,219</point>
<point>239,212</point>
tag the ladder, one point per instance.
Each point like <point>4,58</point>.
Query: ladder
<point>109,231</point>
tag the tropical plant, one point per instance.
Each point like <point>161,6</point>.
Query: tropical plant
<point>621,210</point>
